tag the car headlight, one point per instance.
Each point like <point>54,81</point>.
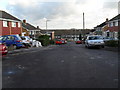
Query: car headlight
<point>102,42</point>
<point>91,42</point>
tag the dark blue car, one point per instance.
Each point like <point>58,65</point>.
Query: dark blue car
<point>12,40</point>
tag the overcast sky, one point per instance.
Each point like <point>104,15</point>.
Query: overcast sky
<point>62,13</point>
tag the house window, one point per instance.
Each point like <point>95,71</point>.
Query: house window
<point>19,24</point>
<point>5,23</point>
<point>13,24</point>
<point>116,23</point>
<point>108,34</point>
<point>111,24</point>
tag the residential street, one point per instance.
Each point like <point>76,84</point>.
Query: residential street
<point>61,66</point>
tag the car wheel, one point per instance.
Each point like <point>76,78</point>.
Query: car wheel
<point>85,46</point>
<point>103,46</point>
<point>14,47</point>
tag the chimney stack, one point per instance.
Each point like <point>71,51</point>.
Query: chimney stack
<point>106,19</point>
<point>24,21</point>
<point>38,27</point>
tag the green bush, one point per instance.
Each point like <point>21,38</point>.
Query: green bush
<point>44,39</point>
<point>111,43</point>
<point>52,42</point>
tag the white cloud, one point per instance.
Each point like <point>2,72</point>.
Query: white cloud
<point>63,13</point>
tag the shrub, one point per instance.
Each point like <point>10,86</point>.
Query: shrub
<point>111,43</point>
<point>52,41</point>
<point>44,39</point>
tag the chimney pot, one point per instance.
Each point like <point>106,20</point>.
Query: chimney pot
<point>106,19</point>
<point>24,21</point>
<point>37,27</point>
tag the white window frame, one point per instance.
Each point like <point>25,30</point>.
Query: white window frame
<point>116,23</point>
<point>13,24</point>
<point>5,23</point>
<point>111,25</point>
<point>19,24</point>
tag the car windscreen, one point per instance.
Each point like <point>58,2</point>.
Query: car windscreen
<point>95,38</point>
<point>2,38</point>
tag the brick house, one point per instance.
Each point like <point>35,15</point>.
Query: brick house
<point>9,25</point>
<point>109,28</point>
<point>30,30</point>
<point>112,27</point>
<point>70,34</point>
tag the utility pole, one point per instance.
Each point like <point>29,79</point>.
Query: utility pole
<point>83,32</point>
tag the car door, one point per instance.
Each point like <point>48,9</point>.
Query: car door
<point>9,41</point>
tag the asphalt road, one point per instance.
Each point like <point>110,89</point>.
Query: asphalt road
<point>61,66</point>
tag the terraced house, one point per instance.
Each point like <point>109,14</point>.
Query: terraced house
<point>9,25</point>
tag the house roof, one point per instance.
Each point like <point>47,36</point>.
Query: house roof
<point>115,18</point>
<point>29,26</point>
<point>67,31</point>
<point>6,15</point>
<point>102,24</point>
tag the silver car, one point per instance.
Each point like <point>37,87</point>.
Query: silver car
<point>94,41</point>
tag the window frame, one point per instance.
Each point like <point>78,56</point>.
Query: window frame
<point>14,24</point>
<point>5,24</point>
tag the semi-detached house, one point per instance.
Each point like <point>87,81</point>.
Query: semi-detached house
<point>9,25</point>
<point>30,30</point>
<point>109,28</point>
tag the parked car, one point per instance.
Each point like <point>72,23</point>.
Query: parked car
<point>63,41</point>
<point>107,39</point>
<point>3,49</point>
<point>58,41</point>
<point>26,41</point>
<point>36,43</point>
<point>94,41</point>
<point>12,40</point>
<point>78,41</point>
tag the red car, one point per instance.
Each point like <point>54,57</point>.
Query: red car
<point>3,49</point>
<point>58,42</point>
<point>78,42</point>
<point>63,41</point>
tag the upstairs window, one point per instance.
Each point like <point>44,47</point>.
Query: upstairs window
<point>13,24</point>
<point>5,23</point>
<point>116,23</point>
<point>19,24</point>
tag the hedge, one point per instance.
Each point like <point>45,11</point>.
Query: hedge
<point>112,43</point>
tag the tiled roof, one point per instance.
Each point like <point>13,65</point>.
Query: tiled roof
<point>6,15</point>
<point>115,18</point>
<point>29,26</point>
<point>101,25</point>
<point>67,32</point>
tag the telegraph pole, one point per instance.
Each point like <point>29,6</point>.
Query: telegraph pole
<point>83,32</point>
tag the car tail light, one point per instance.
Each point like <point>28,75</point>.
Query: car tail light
<point>4,48</point>
<point>19,41</point>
